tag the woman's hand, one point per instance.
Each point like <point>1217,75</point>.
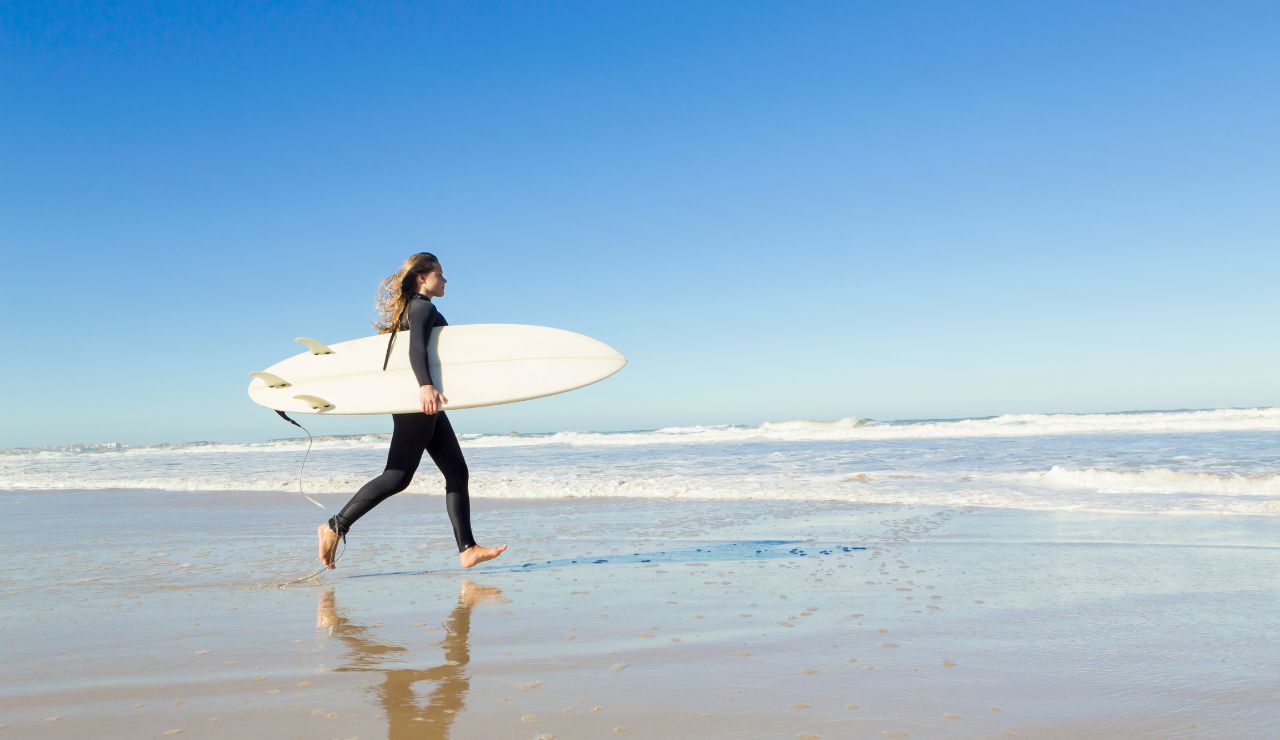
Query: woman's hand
<point>431,399</point>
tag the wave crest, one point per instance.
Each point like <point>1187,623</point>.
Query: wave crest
<point>849,428</point>
<point>1159,480</point>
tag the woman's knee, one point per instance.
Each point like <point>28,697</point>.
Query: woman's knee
<point>457,478</point>
<point>395,481</point>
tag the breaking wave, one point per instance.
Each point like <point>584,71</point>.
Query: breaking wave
<point>1158,480</point>
<point>845,429</point>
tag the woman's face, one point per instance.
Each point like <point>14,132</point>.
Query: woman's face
<point>432,283</point>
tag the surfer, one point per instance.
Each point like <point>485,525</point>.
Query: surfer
<point>404,300</point>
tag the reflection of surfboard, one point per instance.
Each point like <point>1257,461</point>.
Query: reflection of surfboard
<point>473,365</point>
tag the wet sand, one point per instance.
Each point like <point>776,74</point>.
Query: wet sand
<point>135,614</point>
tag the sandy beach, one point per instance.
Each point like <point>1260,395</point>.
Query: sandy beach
<point>150,614</point>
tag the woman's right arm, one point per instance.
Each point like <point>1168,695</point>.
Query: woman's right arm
<point>421,314</point>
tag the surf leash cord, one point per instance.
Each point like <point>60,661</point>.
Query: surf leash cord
<point>341,535</point>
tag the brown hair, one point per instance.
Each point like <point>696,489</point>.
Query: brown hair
<point>395,292</point>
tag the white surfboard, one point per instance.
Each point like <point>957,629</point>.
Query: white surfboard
<point>472,365</point>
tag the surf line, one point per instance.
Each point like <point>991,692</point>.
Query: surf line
<point>337,555</point>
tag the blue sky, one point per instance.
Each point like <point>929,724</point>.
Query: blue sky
<point>775,210</point>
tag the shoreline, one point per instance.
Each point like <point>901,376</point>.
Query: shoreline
<point>500,502</point>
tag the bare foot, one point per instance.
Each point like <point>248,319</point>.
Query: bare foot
<point>474,555</point>
<point>328,545</point>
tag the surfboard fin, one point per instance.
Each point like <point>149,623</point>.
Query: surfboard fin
<point>317,403</point>
<point>272,381</point>
<point>316,347</point>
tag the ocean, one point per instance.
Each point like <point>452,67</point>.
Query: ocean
<point>1189,462</point>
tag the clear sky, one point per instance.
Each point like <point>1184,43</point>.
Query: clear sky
<point>782,210</point>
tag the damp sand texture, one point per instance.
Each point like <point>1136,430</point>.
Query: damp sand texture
<point>153,614</point>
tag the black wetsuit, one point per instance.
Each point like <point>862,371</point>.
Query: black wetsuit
<point>415,433</point>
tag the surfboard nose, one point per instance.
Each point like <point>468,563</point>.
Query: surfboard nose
<point>607,352</point>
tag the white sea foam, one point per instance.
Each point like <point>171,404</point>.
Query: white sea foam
<point>852,428</point>
<point>845,429</point>
<point>1158,480</point>
<point>1042,492</point>
<point>1206,462</point>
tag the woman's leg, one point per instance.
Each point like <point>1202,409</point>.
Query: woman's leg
<point>409,437</point>
<point>447,454</point>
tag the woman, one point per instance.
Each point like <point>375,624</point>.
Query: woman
<point>405,302</point>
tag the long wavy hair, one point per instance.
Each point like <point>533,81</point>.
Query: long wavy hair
<point>395,292</point>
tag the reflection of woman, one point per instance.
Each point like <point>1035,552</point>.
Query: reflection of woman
<point>405,303</point>
<point>405,716</point>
